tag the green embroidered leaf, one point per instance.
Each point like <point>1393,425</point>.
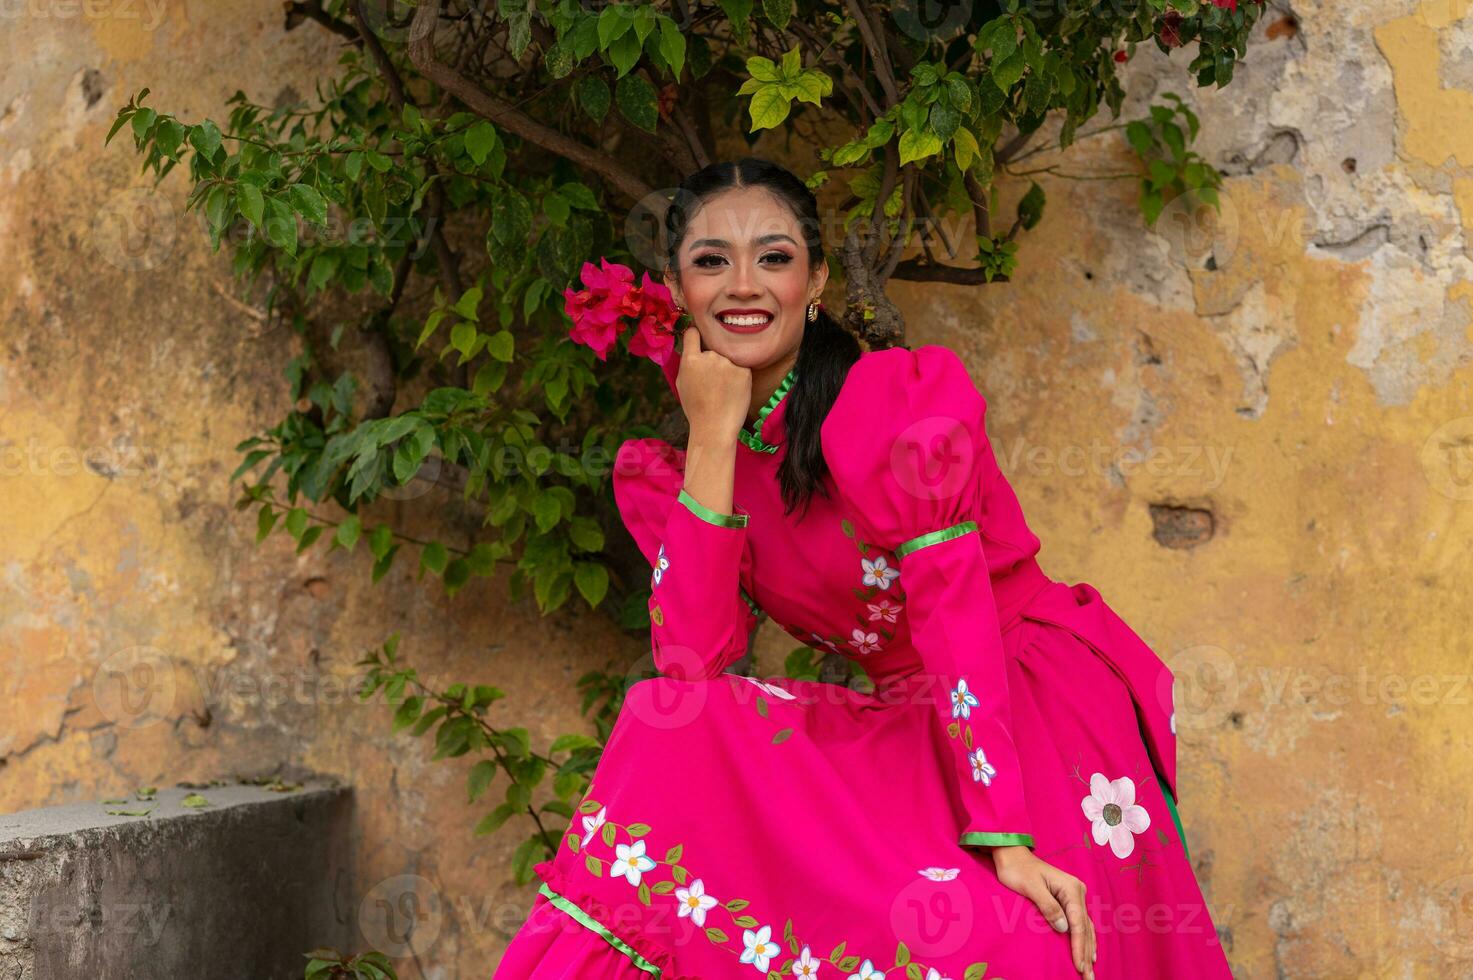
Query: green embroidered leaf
<point>902,953</point>
<point>849,963</point>
<point>594,865</point>
<point>781,736</point>
<point>977,971</point>
<point>838,952</point>
<point>638,829</point>
<point>608,832</point>
<point>716,936</point>
<point>761,706</point>
<point>737,904</point>
<point>913,971</point>
<point>673,855</point>
<point>745,921</point>
<point>678,872</point>
<point>847,528</point>
<point>574,842</point>
<point>644,893</point>
<point>663,887</point>
<point>788,930</point>
<point>589,806</point>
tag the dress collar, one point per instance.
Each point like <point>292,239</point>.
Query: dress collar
<point>766,431</point>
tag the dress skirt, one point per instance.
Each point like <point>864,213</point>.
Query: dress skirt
<point>741,828</point>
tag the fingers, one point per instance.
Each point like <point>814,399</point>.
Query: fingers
<point>1070,893</point>
<point>690,340</point>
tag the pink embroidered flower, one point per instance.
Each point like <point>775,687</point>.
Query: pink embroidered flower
<point>940,874</point>
<point>611,303</point>
<point>1113,813</point>
<point>864,642</point>
<point>884,609</point>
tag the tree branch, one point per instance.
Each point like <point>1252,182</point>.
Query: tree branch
<point>477,99</point>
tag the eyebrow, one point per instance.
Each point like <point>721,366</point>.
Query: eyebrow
<point>723,243</point>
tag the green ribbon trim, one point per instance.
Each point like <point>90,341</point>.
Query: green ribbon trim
<point>708,515</point>
<point>1171,805</point>
<point>588,921</point>
<point>934,537</point>
<point>756,609</point>
<point>996,840</point>
<point>752,438</point>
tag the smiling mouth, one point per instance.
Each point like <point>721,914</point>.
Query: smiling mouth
<point>746,322</point>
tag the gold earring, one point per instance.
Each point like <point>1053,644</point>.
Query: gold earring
<point>812,312</point>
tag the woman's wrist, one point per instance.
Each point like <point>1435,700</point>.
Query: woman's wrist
<point>1006,854</point>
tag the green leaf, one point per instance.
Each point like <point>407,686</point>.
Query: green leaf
<point>308,203</point>
<point>592,580</point>
<point>916,145</point>
<point>1030,208</point>
<point>636,98</point>
<point>1009,70</point>
<point>480,139</point>
<point>194,801</point>
<point>481,775</point>
<point>494,819</point>
<point>501,345</point>
<point>593,96</point>
<point>205,138</point>
<point>280,225</point>
<point>433,557</point>
<point>769,108</point>
<point>251,202</point>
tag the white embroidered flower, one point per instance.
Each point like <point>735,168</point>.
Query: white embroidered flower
<point>962,700</point>
<point>935,974</point>
<point>760,949</point>
<point>940,874</point>
<point>661,563</point>
<point>867,971</point>
<point>878,572</point>
<point>981,769</point>
<point>806,966</point>
<point>772,689</point>
<point>694,902</point>
<point>1114,814</point>
<point>864,642</point>
<point>884,609</point>
<point>591,824</point>
<point>632,862</point>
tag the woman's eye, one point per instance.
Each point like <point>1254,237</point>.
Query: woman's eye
<point>710,259</point>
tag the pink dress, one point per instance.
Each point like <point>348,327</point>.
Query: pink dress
<point>739,827</point>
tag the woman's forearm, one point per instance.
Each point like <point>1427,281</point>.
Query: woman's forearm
<point>710,466</point>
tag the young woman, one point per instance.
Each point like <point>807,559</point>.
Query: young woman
<point>1000,804</point>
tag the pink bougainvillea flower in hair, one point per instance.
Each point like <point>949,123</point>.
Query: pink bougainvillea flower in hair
<point>1226,4</point>
<point>654,334</point>
<point>612,303</point>
<point>597,311</point>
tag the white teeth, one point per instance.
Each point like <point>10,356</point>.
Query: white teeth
<point>746,321</point>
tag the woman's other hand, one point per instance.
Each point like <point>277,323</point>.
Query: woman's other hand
<point>714,392</point>
<point>1058,895</point>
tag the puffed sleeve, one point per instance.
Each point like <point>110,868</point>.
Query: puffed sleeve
<point>907,448</point>
<point>697,557</point>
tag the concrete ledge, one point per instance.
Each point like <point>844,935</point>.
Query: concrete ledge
<point>239,889</point>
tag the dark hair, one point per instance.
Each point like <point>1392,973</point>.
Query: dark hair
<point>827,350</point>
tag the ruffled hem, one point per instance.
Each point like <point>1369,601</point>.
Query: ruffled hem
<point>560,941</point>
<point>571,899</point>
